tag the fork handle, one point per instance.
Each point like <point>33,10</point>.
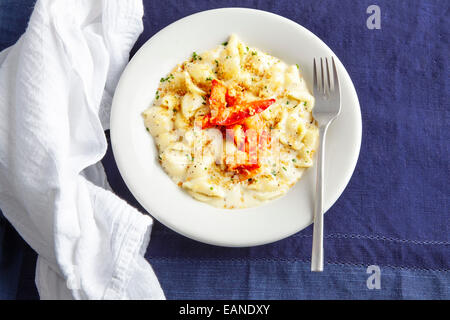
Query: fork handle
<point>317,246</point>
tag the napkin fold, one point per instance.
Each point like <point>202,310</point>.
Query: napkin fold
<point>56,87</point>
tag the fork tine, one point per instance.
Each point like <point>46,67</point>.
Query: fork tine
<point>335,77</point>
<point>322,80</point>
<point>315,76</point>
<point>328,86</point>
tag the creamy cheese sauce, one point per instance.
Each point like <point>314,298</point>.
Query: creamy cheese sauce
<point>198,159</point>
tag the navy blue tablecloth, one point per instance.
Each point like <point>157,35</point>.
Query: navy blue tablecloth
<point>394,212</point>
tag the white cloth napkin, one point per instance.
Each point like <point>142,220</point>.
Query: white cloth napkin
<point>56,85</point>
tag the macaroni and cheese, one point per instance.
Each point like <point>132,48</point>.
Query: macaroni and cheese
<point>233,125</point>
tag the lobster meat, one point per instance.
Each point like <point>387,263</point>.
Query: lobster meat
<point>228,108</point>
<point>231,112</point>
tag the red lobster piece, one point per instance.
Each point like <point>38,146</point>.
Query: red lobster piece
<point>231,112</point>
<point>228,107</point>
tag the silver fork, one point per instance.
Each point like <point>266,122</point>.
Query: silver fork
<point>326,109</point>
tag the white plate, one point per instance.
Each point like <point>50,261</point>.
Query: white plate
<point>136,154</point>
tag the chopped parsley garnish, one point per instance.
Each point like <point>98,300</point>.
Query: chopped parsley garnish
<point>297,66</point>
<point>294,160</point>
<point>274,173</point>
<point>287,102</point>
<point>159,157</point>
<point>254,53</point>
<point>284,169</point>
<point>225,43</point>
<point>217,63</point>
<point>210,188</point>
<point>147,129</point>
<point>195,56</point>
<point>246,48</point>
<point>169,77</point>
<point>208,79</point>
